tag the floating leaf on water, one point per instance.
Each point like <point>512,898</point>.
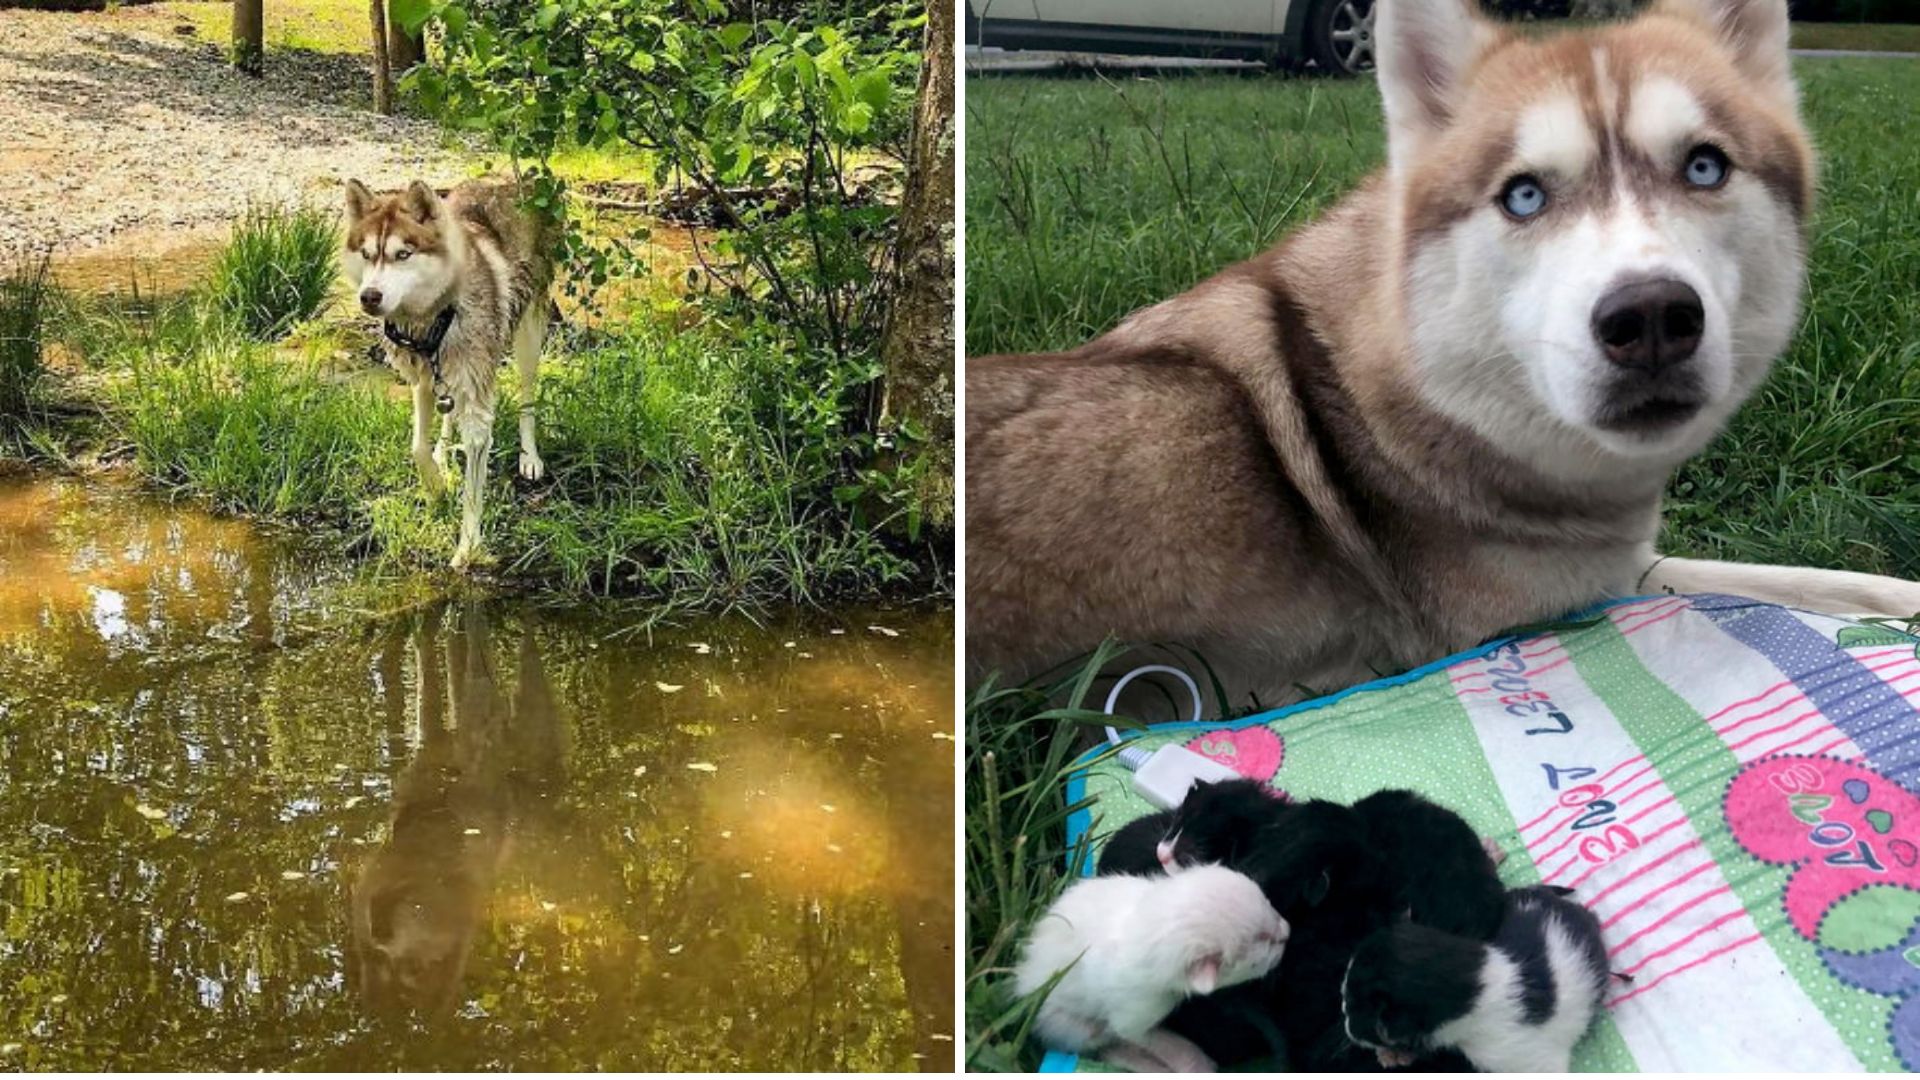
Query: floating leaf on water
<point>940,1038</point>
<point>353,802</point>
<point>835,848</point>
<point>835,735</point>
<point>726,834</point>
<point>884,630</point>
<point>702,648</point>
<point>548,905</point>
<point>669,688</point>
<point>745,874</point>
<point>789,645</point>
<point>473,832</point>
<point>644,937</point>
<point>836,632</point>
<point>10,1049</point>
<point>234,898</point>
<point>150,813</point>
<point>804,655</point>
<point>828,807</point>
<point>58,999</point>
<point>292,875</point>
<point>675,951</point>
<point>639,770</point>
<point>943,735</point>
<point>703,766</point>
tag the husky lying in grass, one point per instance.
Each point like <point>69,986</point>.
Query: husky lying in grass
<point>458,284</point>
<point>1447,407</point>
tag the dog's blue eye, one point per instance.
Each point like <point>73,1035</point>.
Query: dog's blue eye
<point>1523,197</point>
<point>1707,167</point>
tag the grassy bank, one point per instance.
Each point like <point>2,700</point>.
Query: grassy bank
<point>1088,199</point>
<point>715,466</point>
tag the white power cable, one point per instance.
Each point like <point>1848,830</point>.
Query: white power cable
<point>1133,758</point>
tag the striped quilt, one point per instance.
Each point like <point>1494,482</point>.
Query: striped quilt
<point>1729,785</point>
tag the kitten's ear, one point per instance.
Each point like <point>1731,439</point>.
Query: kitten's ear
<point>1425,48</point>
<point>358,199</point>
<point>1754,31</point>
<point>1318,888</point>
<point>422,203</point>
<point>1204,974</point>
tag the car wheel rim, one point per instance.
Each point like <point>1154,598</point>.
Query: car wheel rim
<point>1351,33</point>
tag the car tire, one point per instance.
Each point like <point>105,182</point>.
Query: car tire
<point>1340,36</point>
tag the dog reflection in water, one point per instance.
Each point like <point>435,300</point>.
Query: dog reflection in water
<point>486,767</point>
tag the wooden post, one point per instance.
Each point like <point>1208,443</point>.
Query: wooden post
<point>249,36</point>
<point>382,72</point>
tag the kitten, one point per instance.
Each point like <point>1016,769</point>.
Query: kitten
<point>1518,1003</point>
<point>1445,873</point>
<point>1216,823</point>
<point>1132,948</point>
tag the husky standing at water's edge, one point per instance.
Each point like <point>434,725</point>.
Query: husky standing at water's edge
<point>458,284</point>
<point>1446,408</point>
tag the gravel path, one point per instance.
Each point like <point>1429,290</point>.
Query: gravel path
<point>117,127</point>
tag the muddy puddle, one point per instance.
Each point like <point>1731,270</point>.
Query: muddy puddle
<point>245,824</point>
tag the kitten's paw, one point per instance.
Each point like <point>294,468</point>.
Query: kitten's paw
<point>1394,1059</point>
<point>1494,851</point>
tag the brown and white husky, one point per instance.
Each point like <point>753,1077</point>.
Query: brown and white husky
<point>459,283</point>
<point>1450,405</point>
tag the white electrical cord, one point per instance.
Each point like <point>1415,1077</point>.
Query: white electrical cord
<point>1133,758</point>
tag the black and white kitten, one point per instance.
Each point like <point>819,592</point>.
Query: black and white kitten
<point>1517,1003</point>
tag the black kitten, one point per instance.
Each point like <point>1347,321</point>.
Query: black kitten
<point>1439,868</point>
<point>1215,823</point>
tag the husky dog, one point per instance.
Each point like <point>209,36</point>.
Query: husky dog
<point>1450,405</point>
<point>458,284</point>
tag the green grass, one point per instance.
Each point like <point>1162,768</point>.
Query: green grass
<point>328,26</point>
<point>695,468</point>
<point>26,293</point>
<point>1878,37</point>
<point>277,269</point>
<point>1087,199</point>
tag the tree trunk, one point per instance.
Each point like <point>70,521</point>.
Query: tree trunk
<point>917,348</point>
<point>404,50</point>
<point>249,35</point>
<point>382,70</point>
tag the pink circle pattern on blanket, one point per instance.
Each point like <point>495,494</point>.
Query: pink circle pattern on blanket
<point>1850,834</point>
<point>1254,752</point>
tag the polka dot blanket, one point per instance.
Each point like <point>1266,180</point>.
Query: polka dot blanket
<point>1732,787</point>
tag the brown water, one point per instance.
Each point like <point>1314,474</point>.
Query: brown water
<point>245,824</point>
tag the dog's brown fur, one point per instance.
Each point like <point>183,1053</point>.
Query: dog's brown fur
<point>1247,469</point>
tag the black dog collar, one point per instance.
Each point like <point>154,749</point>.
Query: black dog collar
<point>428,347</point>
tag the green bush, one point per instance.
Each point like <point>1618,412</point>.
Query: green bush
<point>276,270</point>
<point>25,294</point>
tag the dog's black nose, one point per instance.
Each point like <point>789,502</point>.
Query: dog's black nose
<point>1649,325</point>
<point>370,299</point>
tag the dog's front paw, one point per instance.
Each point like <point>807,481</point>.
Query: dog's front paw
<point>531,467</point>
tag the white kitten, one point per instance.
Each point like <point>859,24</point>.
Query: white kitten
<point>1143,945</point>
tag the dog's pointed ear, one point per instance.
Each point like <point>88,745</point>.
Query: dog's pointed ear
<point>1755,32</point>
<point>358,199</point>
<point>1426,48</point>
<point>422,203</point>
<point>1204,974</point>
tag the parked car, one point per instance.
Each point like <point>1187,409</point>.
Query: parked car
<point>1336,35</point>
